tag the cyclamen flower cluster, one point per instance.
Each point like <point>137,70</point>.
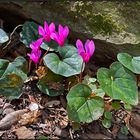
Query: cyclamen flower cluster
<point>48,32</point>
<point>36,52</point>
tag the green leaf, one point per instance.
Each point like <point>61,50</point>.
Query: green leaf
<point>76,126</point>
<point>51,85</point>
<point>106,123</point>
<point>132,63</point>
<point>52,44</point>
<point>108,115</point>
<point>3,36</point>
<point>88,80</point>
<point>3,65</point>
<point>18,66</point>
<point>82,108</point>
<point>128,107</point>
<point>119,83</point>
<point>69,64</point>
<point>124,130</point>
<point>29,33</point>
<point>116,104</point>
<point>11,85</point>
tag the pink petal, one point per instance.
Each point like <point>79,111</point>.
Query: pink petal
<point>86,47</point>
<point>60,42</point>
<point>41,30</point>
<point>91,47</point>
<point>60,29</point>
<point>79,46</point>
<point>39,42</point>
<point>54,36</point>
<point>47,38</point>
<point>52,27</point>
<point>65,32</point>
<point>85,56</point>
<point>46,27</point>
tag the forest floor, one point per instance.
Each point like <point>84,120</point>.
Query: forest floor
<point>35,115</point>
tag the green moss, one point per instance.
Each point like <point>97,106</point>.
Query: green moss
<point>97,21</point>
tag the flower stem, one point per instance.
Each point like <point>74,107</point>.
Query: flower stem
<point>30,62</point>
<point>41,60</point>
<point>80,79</point>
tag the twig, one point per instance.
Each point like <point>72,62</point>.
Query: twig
<point>71,136</point>
<point>10,37</point>
<point>80,80</point>
<point>41,60</point>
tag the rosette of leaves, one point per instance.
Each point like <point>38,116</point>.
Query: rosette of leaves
<point>119,83</point>
<point>12,76</point>
<point>66,63</point>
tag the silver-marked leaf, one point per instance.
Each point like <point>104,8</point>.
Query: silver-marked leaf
<point>3,36</point>
<point>67,64</point>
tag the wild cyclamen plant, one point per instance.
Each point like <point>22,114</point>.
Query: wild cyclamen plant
<point>85,100</point>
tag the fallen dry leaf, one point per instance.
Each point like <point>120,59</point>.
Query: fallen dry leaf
<point>30,117</point>
<point>63,122</point>
<point>60,132</point>
<point>108,106</point>
<point>11,119</point>
<point>8,108</point>
<point>52,103</point>
<point>41,71</point>
<point>115,130</point>
<point>134,125</point>
<point>31,78</point>
<point>24,133</point>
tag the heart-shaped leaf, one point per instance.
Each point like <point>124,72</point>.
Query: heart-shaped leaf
<point>19,66</point>
<point>29,33</point>
<point>119,83</point>
<point>132,63</point>
<point>51,85</point>
<point>11,85</point>
<point>108,115</point>
<point>82,108</point>
<point>52,44</point>
<point>69,64</point>
<point>3,36</point>
<point>3,65</point>
<point>106,123</point>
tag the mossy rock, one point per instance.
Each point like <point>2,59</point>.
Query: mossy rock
<point>114,25</point>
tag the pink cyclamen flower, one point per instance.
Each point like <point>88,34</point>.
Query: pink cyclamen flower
<point>35,46</point>
<point>85,51</point>
<point>61,35</point>
<point>35,56</point>
<point>36,52</point>
<point>46,31</point>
